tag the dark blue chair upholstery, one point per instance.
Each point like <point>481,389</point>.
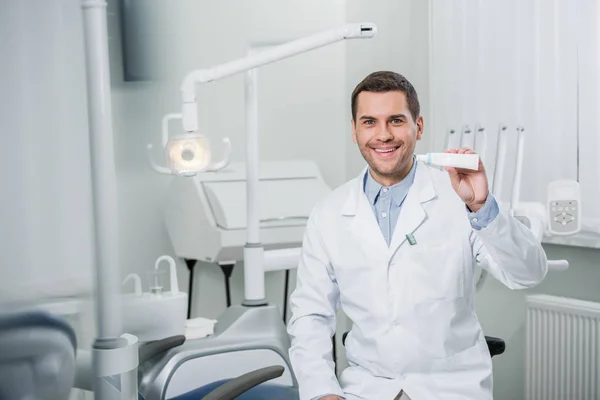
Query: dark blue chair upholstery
<point>265,391</point>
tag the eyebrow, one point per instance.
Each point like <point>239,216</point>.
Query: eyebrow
<point>395,116</point>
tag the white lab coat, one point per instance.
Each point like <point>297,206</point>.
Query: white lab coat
<point>412,306</point>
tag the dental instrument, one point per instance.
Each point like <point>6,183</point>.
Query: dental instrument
<point>500,161</point>
<point>516,188</point>
<point>452,139</point>
<point>468,138</point>
<point>466,161</point>
<point>476,141</point>
<point>480,145</point>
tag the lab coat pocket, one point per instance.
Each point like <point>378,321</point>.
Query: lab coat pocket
<point>435,274</point>
<point>468,360</point>
<point>445,328</point>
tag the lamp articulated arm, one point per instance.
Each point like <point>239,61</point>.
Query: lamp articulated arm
<point>196,146</point>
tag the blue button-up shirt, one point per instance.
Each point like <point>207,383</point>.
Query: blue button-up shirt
<point>387,201</point>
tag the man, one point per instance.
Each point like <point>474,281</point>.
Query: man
<point>397,248</point>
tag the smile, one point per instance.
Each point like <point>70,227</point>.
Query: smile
<point>385,152</point>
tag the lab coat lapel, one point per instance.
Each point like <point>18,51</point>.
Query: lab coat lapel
<point>361,219</point>
<point>412,213</point>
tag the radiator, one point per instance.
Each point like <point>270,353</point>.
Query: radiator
<point>563,349</point>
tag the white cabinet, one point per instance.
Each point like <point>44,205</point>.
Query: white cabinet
<point>529,63</point>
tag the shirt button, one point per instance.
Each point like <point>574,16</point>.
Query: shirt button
<point>385,190</point>
<point>383,215</point>
<point>475,219</point>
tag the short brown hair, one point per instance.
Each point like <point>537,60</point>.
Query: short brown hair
<point>387,81</point>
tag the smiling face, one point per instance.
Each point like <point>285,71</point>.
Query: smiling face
<point>386,134</point>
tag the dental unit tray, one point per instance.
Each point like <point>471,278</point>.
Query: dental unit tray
<point>206,217</point>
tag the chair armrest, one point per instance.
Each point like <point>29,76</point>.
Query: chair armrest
<point>496,346</point>
<point>151,349</point>
<point>344,335</point>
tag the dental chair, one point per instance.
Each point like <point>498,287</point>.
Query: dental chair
<point>38,362</point>
<point>161,358</point>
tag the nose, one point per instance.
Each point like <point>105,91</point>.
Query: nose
<point>383,133</point>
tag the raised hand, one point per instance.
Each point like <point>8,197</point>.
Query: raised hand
<point>470,185</point>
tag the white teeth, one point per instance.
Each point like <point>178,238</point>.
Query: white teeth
<point>384,151</point>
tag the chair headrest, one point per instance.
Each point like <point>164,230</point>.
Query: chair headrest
<point>37,356</point>
<point>36,319</point>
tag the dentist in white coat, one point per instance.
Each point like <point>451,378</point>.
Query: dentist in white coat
<point>397,248</point>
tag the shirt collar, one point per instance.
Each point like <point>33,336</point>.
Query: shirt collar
<point>398,191</point>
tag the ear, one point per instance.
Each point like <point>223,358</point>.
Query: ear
<point>353,124</point>
<point>420,127</point>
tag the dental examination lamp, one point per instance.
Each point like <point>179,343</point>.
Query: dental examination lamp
<point>190,153</point>
<point>205,222</point>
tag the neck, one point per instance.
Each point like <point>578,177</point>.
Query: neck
<point>392,179</point>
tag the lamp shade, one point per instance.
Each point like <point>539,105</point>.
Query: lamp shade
<point>188,154</point>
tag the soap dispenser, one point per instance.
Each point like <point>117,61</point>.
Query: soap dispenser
<point>155,314</point>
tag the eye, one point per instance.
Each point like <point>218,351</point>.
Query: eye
<point>396,121</point>
<point>369,121</point>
